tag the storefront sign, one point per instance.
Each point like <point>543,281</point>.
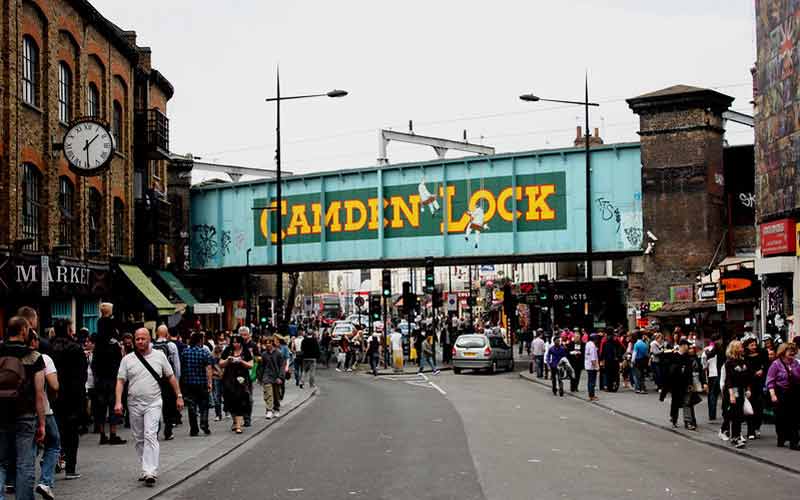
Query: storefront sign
<point>742,283</point>
<point>47,276</point>
<point>707,291</point>
<point>681,293</point>
<point>778,237</point>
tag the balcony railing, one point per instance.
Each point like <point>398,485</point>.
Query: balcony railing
<point>153,214</point>
<point>152,134</point>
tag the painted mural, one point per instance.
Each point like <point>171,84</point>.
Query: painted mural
<point>777,95</point>
<point>530,203</point>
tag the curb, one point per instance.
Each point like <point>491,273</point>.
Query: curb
<point>388,373</point>
<point>196,469</point>
<point>635,418</point>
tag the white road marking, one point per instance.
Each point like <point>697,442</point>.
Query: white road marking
<point>441,391</point>
<point>294,490</point>
<point>534,461</point>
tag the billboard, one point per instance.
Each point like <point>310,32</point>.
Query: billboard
<point>520,204</point>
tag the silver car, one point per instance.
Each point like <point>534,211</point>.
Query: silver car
<point>481,352</point>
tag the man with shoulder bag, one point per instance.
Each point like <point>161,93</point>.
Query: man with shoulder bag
<point>150,377</point>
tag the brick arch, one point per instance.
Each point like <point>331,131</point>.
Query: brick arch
<point>34,23</point>
<point>96,74</point>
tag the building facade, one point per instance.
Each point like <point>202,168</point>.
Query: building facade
<point>62,60</point>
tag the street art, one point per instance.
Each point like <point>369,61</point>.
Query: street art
<point>225,242</point>
<point>204,238</point>
<point>747,199</point>
<point>608,212</point>
<point>476,223</point>
<point>426,198</point>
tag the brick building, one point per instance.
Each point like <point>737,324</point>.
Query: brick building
<point>62,60</point>
<point>777,156</point>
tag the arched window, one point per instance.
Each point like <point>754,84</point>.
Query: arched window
<point>95,218</point>
<point>116,124</point>
<point>93,101</point>
<point>64,93</point>
<point>119,227</point>
<point>31,181</point>
<point>30,71</point>
<point>66,207</point>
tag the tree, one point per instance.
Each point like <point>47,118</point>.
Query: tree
<point>294,278</point>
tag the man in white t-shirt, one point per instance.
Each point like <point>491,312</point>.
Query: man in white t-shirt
<point>144,399</point>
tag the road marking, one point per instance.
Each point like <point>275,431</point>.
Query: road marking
<point>441,391</point>
<point>534,461</point>
<point>294,490</point>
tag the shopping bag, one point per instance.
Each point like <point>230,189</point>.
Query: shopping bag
<point>747,408</point>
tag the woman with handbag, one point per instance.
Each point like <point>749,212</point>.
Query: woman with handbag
<point>757,365</point>
<point>783,384</point>
<point>237,363</point>
<point>737,389</point>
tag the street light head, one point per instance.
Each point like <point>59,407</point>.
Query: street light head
<point>529,97</point>
<point>337,93</point>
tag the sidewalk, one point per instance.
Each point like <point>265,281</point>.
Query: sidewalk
<point>111,472</point>
<point>647,409</point>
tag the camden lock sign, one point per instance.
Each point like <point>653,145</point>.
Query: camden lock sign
<point>47,277</point>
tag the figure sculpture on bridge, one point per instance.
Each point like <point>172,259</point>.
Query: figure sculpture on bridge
<point>426,198</point>
<point>476,223</point>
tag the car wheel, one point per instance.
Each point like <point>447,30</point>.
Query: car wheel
<point>493,368</point>
<point>457,371</point>
<point>510,365</point>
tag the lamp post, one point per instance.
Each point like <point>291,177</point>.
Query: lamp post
<point>247,289</point>
<point>278,199</point>
<point>589,272</point>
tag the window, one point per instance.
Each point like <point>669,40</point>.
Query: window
<point>30,71</point>
<point>91,313</point>
<point>66,205</point>
<point>116,124</point>
<point>95,214</point>
<point>92,101</point>
<point>119,226</point>
<point>31,206</point>
<point>64,93</point>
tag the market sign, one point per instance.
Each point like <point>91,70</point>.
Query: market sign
<point>778,237</point>
<point>49,276</point>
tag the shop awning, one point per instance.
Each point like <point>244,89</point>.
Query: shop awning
<point>688,308</point>
<point>175,284</point>
<point>148,289</point>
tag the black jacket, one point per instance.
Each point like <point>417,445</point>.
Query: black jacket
<point>310,348</point>
<point>272,367</point>
<point>680,373</point>
<point>71,365</point>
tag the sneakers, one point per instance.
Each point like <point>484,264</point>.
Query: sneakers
<point>338,370</point>
<point>270,415</point>
<point>150,480</point>
<point>142,477</point>
<point>217,419</point>
<point>45,491</point>
<point>276,414</point>
<point>723,436</point>
<point>751,437</point>
<point>758,434</point>
<point>437,372</point>
<point>72,475</point>
<point>739,443</point>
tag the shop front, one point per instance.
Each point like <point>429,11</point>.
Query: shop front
<point>777,268</point>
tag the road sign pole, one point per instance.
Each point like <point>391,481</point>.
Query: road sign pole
<point>385,334</point>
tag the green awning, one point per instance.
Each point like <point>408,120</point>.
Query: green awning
<point>148,289</point>
<point>181,291</point>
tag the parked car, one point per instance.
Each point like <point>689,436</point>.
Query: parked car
<point>342,328</point>
<point>481,352</point>
<point>358,319</point>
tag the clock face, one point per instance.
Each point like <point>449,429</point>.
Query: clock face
<point>88,147</point>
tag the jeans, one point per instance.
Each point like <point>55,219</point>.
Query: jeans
<point>145,418</point>
<point>427,359</point>
<point>197,401</point>
<point>713,396</point>
<point>309,371</point>
<point>374,360</point>
<point>591,376</point>
<point>19,442</point>
<point>298,370</point>
<point>637,373</point>
<point>558,382</point>
<point>51,452</point>
<point>539,360</point>
<point>216,394</point>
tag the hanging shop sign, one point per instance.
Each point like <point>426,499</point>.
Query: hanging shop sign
<point>741,283</point>
<point>778,237</point>
<point>707,291</point>
<point>49,276</point>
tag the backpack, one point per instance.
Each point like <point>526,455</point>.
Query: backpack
<point>164,348</point>
<point>12,383</point>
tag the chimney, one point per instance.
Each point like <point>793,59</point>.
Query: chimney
<point>580,140</point>
<point>596,133</point>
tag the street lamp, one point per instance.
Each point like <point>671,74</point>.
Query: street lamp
<point>278,201</point>
<point>589,274</point>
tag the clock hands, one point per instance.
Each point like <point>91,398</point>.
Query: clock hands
<point>88,143</point>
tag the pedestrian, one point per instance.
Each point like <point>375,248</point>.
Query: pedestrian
<point>783,384</point>
<point>574,347</point>
<point>538,353</point>
<point>325,347</point>
<point>591,362</point>
<point>554,356</point>
<point>149,376</point>
<point>196,380</point>
<point>170,350</point>
<point>681,385</point>
<point>105,367</point>
<point>310,349</point>
<point>287,355</point>
<point>297,359</point>
<point>51,448</point>
<point>216,382</point>
<point>237,361</point>
<point>272,376</point>
<point>611,354</point>
<point>374,353</point>
<point>639,359</point>
<point>22,411</point>
<point>712,359</point>
<point>737,388</point>
<point>72,368</point>
<point>428,356</point>
<point>396,343</point>
<point>757,366</point>
<point>252,347</point>
<point>656,348</point>
<point>88,411</point>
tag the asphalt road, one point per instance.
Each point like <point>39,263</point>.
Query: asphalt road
<point>494,437</point>
<point>359,438</point>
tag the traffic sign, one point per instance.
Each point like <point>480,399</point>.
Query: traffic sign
<point>359,301</point>
<point>452,302</point>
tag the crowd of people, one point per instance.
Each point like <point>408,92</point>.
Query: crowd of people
<point>745,377</point>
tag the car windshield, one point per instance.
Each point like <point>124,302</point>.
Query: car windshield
<point>342,329</point>
<point>468,342</point>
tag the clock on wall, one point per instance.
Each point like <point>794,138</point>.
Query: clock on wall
<point>88,146</point>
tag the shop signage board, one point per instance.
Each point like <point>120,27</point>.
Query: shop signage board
<point>681,293</point>
<point>517,204</point>
<point>707,291</point>
<point>778,237</point>
<point>49,276</point>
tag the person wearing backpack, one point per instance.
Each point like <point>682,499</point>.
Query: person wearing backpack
<point>170,350</point>
<point>22,411</point>
<point>149,376</point>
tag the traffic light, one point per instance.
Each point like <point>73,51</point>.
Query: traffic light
<point>264,309</point>
<point>409,299</point>
<point>544,292</point>
<point>387,282</point>
<point>375,307</point>
<point>430,280</point>
<point>437,299</point>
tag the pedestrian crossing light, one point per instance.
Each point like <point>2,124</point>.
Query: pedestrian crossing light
<point>430,281</point>
<point>375,307</point>
<point>387,282</point>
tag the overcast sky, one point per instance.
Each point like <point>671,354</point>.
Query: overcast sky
<point>447,65</point>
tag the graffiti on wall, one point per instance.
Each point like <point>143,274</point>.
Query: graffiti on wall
<point>627,225</point>
<point>205,243</point>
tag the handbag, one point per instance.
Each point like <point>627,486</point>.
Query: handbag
<point>747,408</point>
<point>167,394</point>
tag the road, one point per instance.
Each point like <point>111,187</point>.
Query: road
<point>493,437</point>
